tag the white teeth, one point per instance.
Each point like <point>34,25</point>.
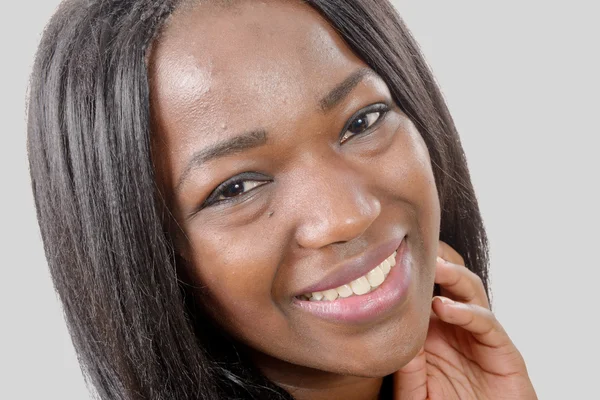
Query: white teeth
<point>360,286</point>
<point>344,291</point>
<point>392,259</point>
<point>375,277</point>
<point>330,294</point>
<point>365,284</point>
<point>385,267</point>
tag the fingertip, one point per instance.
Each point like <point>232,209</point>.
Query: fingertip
<point>444,299</point>
<point>443,270</point>
<point>444,274</point>
<point>440,303</point>
<point>446,308</point>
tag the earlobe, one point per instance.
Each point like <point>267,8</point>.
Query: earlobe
<point>181,259</point>
<point>179,241</point>
<point>182,254</point>
<point>182,268</point>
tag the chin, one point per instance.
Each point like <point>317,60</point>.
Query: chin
<point>386,349</point>
<point>387,362</point>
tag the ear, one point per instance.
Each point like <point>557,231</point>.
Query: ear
<point>179,241</point>
<point>183,269</point>
<point>181,251</point>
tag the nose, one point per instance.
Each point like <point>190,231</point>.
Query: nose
<point>336,207</point>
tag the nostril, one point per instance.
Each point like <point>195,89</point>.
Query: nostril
<point>342,211</point>
<point>335,226</point>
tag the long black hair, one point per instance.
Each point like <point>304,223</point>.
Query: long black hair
<point>137,333</point>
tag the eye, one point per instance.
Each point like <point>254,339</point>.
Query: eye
<point>364,120</point>
<point>235,188</point>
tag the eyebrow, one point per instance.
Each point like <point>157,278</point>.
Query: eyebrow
<point>342,90</point>
<point>258,137</point>
<point>227,147</point>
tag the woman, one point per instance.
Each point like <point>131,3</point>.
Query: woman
<point>244,199</point>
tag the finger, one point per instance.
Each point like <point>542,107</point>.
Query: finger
<point>410,382</point>
<point>478,320</point>
<point>447,253</point>
<point>460,283</point>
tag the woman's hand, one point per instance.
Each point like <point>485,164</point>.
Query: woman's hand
<point>467,354</point>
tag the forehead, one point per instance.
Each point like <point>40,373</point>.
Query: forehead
<point>247,54</point>
<point>237,67</point>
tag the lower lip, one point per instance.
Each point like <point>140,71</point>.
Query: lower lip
<point>367,307</point>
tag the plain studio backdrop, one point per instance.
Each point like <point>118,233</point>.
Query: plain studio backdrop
<point>522,82</point>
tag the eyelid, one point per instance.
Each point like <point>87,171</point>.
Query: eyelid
<point>245,176</point>
<point>382,107</point>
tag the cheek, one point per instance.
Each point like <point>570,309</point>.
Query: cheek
<point>413,193</point>
<point>426,200</point>
<point>235,280</point>
<point>412,183</point>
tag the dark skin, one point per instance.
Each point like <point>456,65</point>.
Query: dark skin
<point>263,92</point>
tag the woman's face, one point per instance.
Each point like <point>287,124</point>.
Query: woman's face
<point>291,171</point>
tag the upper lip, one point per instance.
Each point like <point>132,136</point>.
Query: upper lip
<point>355,268</point>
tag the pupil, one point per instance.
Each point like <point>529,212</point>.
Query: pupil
<point>235,189</point>
<point>358,125</point>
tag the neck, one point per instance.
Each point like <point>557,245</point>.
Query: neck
<point>347,388</point>
<point>311,384</point>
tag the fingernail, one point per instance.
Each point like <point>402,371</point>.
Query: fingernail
<point>441,260</point>
<point>445,300</point>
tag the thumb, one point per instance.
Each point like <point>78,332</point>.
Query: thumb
<point>410,382</point>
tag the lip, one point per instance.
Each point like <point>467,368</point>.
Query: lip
<point>355,268</point>
<point>360,309</point>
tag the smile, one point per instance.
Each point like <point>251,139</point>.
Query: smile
<point>363,285</point>
<point>367,298</point>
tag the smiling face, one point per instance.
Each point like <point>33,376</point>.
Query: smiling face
<point>290,170</point>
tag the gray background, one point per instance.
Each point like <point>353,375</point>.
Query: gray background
<point>521,80</point>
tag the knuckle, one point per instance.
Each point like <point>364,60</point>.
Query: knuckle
<point>472,316</point>
<point>488,314</point>
<point>491,317</point>
<point>448,253</point>
<point>475,280</point>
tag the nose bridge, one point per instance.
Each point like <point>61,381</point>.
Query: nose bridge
<point>337,205</point>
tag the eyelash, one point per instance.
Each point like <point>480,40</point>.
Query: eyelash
<point>215,197</point>
<point>242,178</point>
<point>380,108</point>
